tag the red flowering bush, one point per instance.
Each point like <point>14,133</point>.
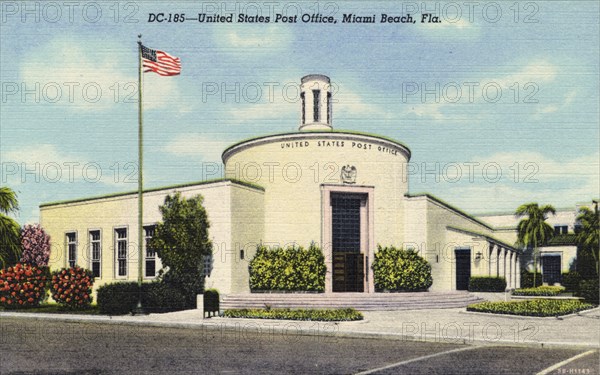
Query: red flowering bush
<point>35,243</point>
<point>23,285</point>
<point>72,287</point>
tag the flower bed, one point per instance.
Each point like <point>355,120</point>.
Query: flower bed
<point>539,291</point>
<point>325,315</point>
<point>536,307</point>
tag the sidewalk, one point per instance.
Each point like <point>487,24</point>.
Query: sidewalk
<point>440,325</point>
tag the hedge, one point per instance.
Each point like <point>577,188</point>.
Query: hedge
<point>122,298</point>
<point>325,315</point>
<point>571,280</point>
<point>588,289</point>
<point>118,298</point>
<point>487,284</point>
<point>539,291</point>
<point>536,307</point>
<point>396,269</point>
<point>290,269</point>
<point>527,279</point>
<point>159,297</point>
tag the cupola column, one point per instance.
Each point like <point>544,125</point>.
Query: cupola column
<point>315,97</point>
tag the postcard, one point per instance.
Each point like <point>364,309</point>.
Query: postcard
<point>304,187</point>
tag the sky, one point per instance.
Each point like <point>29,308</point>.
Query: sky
<point>498,102</point>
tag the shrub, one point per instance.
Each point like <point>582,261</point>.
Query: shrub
<point>23,285</point>
<point>211,301</point>
<point>527,279</point>
<point>487,284</point>
<point>35,243</point>
<point>72,287</point>
<point>536,307</point>
<point>396,269</point>
<point>189,285</point>
<point>118,298</point>
<point>588,289</point>
<point>571,280</point>
<point>182,241</point>
<point>325,315</point>
<point>159,297</point>
<point>539,291</point>
<point>290,269</point>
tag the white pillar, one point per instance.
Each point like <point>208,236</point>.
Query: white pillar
<point>518,267</point>
<point>490,253</point>
<point>510,283</point>
<point>502,263</point>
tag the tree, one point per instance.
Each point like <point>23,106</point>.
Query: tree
<point>10,236</point>
<point>35,243</point>
<point>181,241</point>
<point>533,231</point>
<point>588,237</point>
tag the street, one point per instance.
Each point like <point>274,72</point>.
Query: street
<point>30,346</point>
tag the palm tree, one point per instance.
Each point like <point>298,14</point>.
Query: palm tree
<point>533,231</point>
<point>590,230</point>
<point>10,231</point>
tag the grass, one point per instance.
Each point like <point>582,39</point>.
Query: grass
<point>536,307</point>
<point>53,308</point>
<point>323,315</point>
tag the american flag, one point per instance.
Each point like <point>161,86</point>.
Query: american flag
<point>160,62</point>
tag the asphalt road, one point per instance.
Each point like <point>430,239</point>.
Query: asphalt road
<point>51,347</point>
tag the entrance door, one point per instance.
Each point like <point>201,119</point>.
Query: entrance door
<point>551,269</point>
<point>348,260</point>
<point>463,268</point>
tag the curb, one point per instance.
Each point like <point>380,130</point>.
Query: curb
<point>292,328</point>
<point>521,317</point>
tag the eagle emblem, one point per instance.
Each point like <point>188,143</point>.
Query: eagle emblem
<point>348,175</point>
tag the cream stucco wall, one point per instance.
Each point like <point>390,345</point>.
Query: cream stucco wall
<point>108,213</point>
<point>292,168</point>
<point>568,255</point>
<point>429,230</point>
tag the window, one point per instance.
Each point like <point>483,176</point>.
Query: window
<point>578,228</point>
<point>561,229</point>
<point>72,249</point>
<point>303,108</point>
<point>95,251</point>
<point>121,248</point>
<point>316,103</point>
<point>150,252</point>
<point>329,108</point>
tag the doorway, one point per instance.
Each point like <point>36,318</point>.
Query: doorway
<point>463,268</point>
<point>551,269</point>
<point>347,233</point>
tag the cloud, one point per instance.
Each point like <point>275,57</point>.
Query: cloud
<point>81,77</point>
<point>537,71</point>
<point>349,102</point>
<point>269,39</point>
<point>502,181</point>
<point>461,28</point>
<point>564,104</point>
<point>534,167</point>
<point>46,164</point>
<point>197,146</point>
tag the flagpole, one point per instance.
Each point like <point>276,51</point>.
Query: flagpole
<point>140,179</point>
